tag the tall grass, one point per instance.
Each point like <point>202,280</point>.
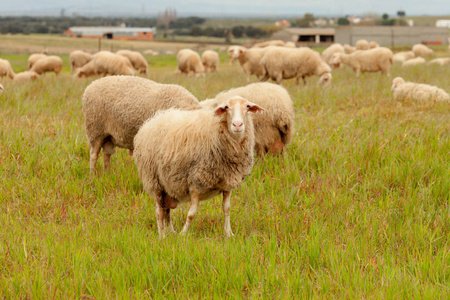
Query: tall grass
<point>357,208</point>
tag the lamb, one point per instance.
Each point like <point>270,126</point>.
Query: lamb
<point>249,59</point>
<point>34,58</point>
<point>106,63</point>
<point>189,62</point>
<point>372,60</point>
<point>6,69</point>
<point>440,61</point>
<point>284,63</point>
<point>210,60</point>
<point>202,154</point>
<point>50,63</point>
<point>421,50</point>
<point>373,44</point>
<point>278,43</point>
<point>416,91</point>
<point>349,49</point>
<point>403,56</point>
<point>78,58</point>
<point>137,60</point>
<point>274,128</point>
<point>362,45</point>
<point>25,76</point>
<point>328,53</point>
<point>115,107</point>
<point>413,62</point>
<point>233,52</point>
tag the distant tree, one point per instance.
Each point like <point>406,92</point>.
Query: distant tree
<point>401,13</point>
<point>238,31</point>
<point>166,17</point>
<point>196,30</point>
<point>343,21</point>
<point>306,21</point>
<point>385,16</point>
<point>255,32</point>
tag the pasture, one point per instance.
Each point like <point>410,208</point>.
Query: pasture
<point>358,207</point>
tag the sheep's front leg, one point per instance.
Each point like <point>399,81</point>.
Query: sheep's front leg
<point>160,214</point>
<point>226,210</point>
<point>195,199</point>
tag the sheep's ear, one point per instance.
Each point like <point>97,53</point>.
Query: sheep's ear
<point>220,110</point>
<point>252,107</point>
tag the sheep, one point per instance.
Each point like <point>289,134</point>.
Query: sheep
<point>50,63</point>
<point>115,107</point>
<point>34,58</point>
<point>202,153</point>
<point>189,62</point>
<point>440,61</point>
<point>402,90</point>
<point>2,89</point>
<point>421,50</point>
<point>78,58</point>
<point>278,43</point>
<point>403,56</point>
<point>328,53</point>
<point>362,45</point>
<point>6,69</point>
<point>25,76</point>
<point>274,128</point>
<point>233,52</point>
<point>372,60</point>
<point>137,60</point>
<point>284,63</point>
<point>349,49</point>
<point>413,62</point>
<point>290,45</point>
<point>249,59</point>
<point>373,44</point>
<point>210,60</point>
<point>106,63</point>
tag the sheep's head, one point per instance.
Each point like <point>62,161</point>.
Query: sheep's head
<point>236,110</point>
<point>235,51</point>
<point>396,82</point>
<point>325,79</point>
<point>336,60</point>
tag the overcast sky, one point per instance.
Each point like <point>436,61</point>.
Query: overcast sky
<point>269,8</point>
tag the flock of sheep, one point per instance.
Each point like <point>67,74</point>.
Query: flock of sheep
<point>188,150</point>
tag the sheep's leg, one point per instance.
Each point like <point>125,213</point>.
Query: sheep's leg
<point>168,221</point>
<point>159,210</point>
<point>195,199</point>
<point>266,77</point>
<point>95,150</point>
<point>304,80</point>
<point>226,210</point>
<point>108,149</point>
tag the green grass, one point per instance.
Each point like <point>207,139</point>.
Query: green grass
<point>357,208</point>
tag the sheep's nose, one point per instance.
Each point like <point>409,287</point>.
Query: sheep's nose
<point>238,124</point>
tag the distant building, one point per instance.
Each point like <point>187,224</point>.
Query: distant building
<point>392,35</point>
<point>443,23</point>
<point>305,35</point>
<point>283,23</point>
<point>117,32</point>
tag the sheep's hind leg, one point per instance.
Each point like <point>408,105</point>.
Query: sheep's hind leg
<point>93,156</point>
<point>108,149</point>
<point>226,206</point>
<point>195,199</point>
<point>160,214</point>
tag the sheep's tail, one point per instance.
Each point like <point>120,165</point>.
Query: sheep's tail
<point>285,128</point>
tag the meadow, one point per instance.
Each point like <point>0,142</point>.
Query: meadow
<point>358,207</point>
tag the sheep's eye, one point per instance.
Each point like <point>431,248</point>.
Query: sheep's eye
<point>226,106</point>
<point>248,105</point>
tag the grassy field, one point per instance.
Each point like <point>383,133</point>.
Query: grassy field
<point>357,208</point>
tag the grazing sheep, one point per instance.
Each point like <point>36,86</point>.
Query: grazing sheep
<point>190,156</point>
<point>328,53</point>
<point>440,61</point>
<point>137,60</point>
<point>106,63</point>
<point>349,49</point>
<point>403,56</point>
<point>372,60</point>
<point>233,52</point>
<point>284,63</point>
<point>249,59</point>
<point>50,63</point>
<point>362,45</point>
<point>210,60</point>
<point>278,43</point>
<point>25,76</point>
<point>115,107</point>
<point>290,45</point>
<point>274,127</point>
<point>34,58</point>
<point>189,62</point>
<point>421,50</point>
<point>417,91</point>
<point>373,44</point>
<point>78,58</point>
<point>413,62</point>
<point>6,69</point>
